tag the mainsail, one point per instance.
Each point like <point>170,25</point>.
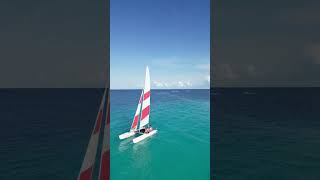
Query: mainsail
<point>135,121</point>
<point>146,101</point>
<point>87,166</point>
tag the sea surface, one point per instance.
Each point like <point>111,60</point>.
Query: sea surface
<point>44,133</point>
<point>180,149</point>
<point>265,133</point>
<point>262,133</point>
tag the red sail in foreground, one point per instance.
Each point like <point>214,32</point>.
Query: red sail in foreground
<point>104,173</point>
<point>90,156</point>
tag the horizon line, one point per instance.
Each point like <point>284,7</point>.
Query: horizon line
<point>163,89</point>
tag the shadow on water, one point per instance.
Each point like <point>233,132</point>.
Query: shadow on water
<point>141,154</point>
<point>125,144</point>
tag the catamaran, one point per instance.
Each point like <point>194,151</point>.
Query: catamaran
<point>142,113</point>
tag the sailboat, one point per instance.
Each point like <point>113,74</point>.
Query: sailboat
<point>87,167</point>
<point>142,115</point>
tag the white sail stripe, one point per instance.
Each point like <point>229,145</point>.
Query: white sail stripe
<point>144,121</point>
<point>106,142</point>
<point>106,139</point>
<point>146,103</point>
<point>138,109</point>
<point>90,156</point>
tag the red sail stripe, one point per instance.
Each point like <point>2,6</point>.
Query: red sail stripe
<point>86,175</point>
<point>98,125</point>
<point>145,112</point>
<point>146,95</point>
<point>140,101</point>
<point>105,157</point>
<point>105,166</point>
<point>135,121</point>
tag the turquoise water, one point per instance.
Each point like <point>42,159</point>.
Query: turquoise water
<point>180,149</point>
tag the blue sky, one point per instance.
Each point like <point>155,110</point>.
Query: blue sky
<point>172,37</point>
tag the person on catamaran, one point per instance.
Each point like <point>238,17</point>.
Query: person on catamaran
<point>142,130</point>
<point>148,129</point>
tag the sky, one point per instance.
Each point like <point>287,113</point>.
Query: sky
<point>266,43</point>
<point>65,43</point>
<point>171,37</point>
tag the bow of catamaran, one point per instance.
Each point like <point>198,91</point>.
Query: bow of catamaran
<point>142,115</point>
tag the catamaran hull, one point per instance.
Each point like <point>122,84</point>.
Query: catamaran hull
<point>127,135</point>
<point>144,136</point>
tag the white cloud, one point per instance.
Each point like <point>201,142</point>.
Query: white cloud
<point>178,84</point>
<point>182,84</point>
<point>158,84</point>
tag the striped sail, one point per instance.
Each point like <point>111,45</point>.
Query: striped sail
<point>90,156</point>
<point>146,101</point>
<point>135,121</point>
<point>104,173</point>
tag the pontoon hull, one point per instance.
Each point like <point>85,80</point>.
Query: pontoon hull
<point>127,135</point>
<point>144,136</point>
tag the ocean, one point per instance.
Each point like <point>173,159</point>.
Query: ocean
<point>265,133</point>
<point>257,133</point>
<point>44,133</point>
<point>180,149</point>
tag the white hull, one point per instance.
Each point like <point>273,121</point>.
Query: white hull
<point>127,135</point>
<point>144,136</point>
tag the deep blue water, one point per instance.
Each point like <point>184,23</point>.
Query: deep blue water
<point>44,132</point>
<point>265,133</point>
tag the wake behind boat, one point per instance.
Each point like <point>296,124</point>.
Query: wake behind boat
<point>141,117</point>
